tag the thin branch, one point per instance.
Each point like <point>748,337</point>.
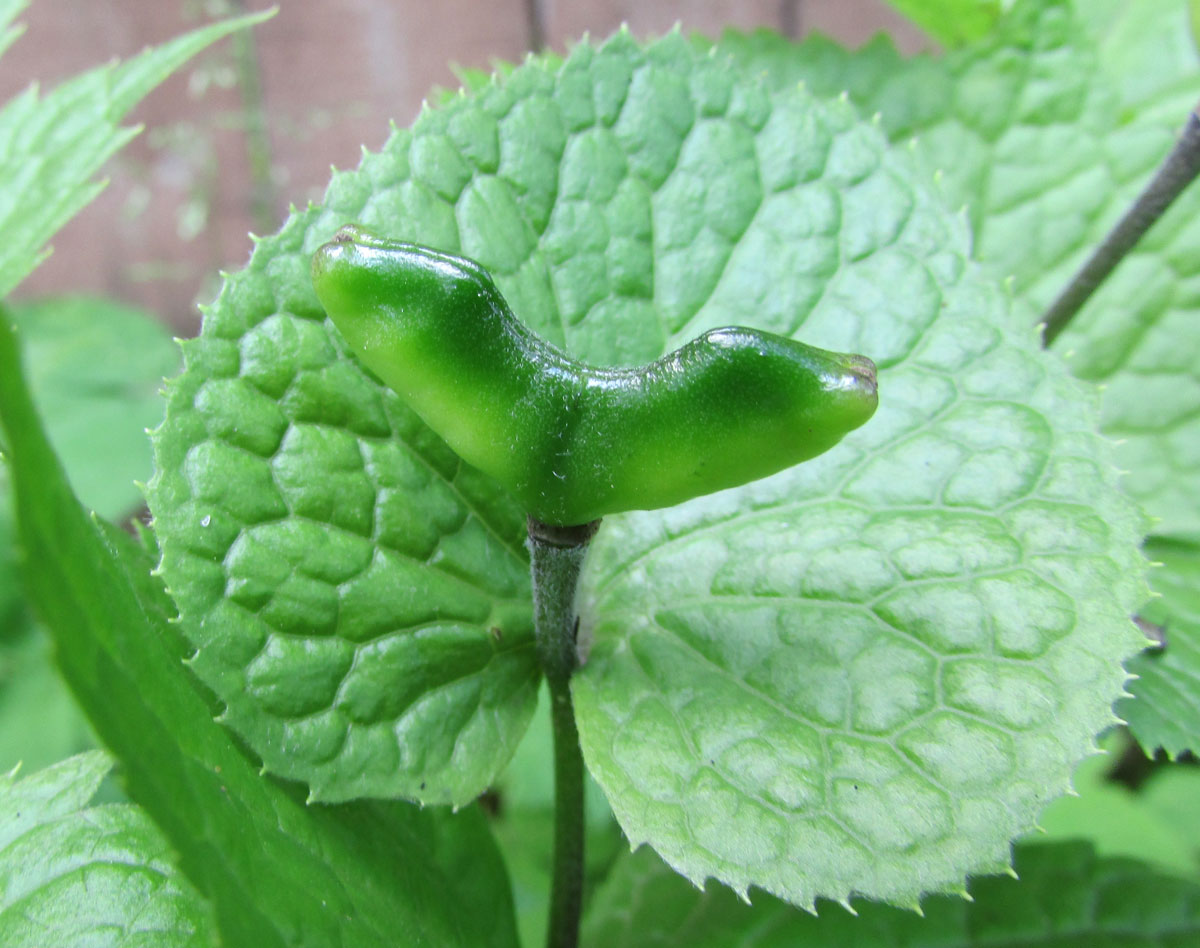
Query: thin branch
<point>1172,178</point>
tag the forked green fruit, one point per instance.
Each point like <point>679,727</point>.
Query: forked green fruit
<point>572,441</point>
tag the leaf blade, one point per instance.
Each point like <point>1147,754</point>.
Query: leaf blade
<point>50,147</point>
<point>867,674</point>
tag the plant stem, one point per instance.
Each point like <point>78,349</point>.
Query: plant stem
<point>1176,172</point>
<point>556,555</point>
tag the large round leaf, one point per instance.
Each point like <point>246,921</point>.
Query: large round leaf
<point>863,675</point>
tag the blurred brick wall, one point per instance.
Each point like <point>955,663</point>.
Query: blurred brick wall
<point>182,196</point>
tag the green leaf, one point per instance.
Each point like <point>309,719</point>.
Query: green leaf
<point>866,674</point>
<point>1046,138</point>
<point>40,722</point>
<point>951,22</point>
<point>1173,793</point>
<point>12,618</point>
<point>1146,49</point>
<point>1165,708</point>
<point>50,146</point>
<point>1064,897</point>
<point>9,9</point>
<point>73,876</point>
<point>871,672</point>
<point>276,870</point>
<point>1150,824</point>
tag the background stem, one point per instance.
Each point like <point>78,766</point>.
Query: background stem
<point>1176,172</point>
<point>556,557</point>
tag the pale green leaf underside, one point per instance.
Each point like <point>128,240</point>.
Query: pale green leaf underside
<point>1065,897</point>
<point>76,876</point>
<point>50,146</point>
<point>1046,139</point>
<point>1165,708</point>
<point>867,674</point>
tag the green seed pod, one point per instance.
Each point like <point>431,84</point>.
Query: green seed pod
<point>572,441</point>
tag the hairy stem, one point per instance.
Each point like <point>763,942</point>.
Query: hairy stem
<point>556,558</point>
<point>1176,172</point>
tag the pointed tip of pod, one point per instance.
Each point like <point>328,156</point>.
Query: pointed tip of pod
<point>865,371</point>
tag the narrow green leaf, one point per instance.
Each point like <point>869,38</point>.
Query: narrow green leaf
<point>1063,897</point>
<point>78,877</point>
<point>1165,708</point>
<point>9,10</point>
<point>278,872</point>
<point>50,146</point>
<point>97,366</point>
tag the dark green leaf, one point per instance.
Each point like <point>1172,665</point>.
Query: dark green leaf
<point>1063,897</point>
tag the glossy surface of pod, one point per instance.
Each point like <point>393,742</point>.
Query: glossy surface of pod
<point>573,441</point>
